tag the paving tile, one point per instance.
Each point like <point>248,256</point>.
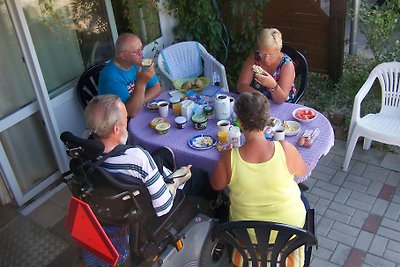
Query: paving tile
<point>341,238</point>
<point>340,254</point>
<point>363,240</point>
<point>393,245</point>
<point>391,161</point>
<point>322,253</point>
<point>380,207</point>
<point>363,197</point>
<point>323,193</point>
<point>324,226</point>
<point>376,173</point>
<point>345,229</point>
<point>337,163</point>
<point>62,198</point>
<point>355,258</point>
<point>358,168</point>
<point>320,176</point>
<point>392,256</point>
<point>372,223</point>
<point>339,148</point>
<point>326,170</point>
<point>342,208</point>
<point>313,199</point>
<point>374,188</point>
<point>47,215</point>
<point>327,243</point>
<point>393,211</point>
<point>358,179</point>
<point>359,204</point>
<point>389,223</point>
<point>387,192</point>
<point>327,186</point>
<point>322,206</point>
<point>321,262</point>
<point>342,195</point>
<point>359,218</point>
<point>378,245</point>
<point>389,233</point>
<point>371,156</point>
<point>325,160</point>
<point>355,186</point>
<point>339,178</point>
<point>393,178</point>
<point>337,216</point>
<point>377,261</point>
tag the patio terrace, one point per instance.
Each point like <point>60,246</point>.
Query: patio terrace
<point>358,215</point>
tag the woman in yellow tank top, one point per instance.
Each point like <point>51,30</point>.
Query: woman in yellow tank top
<point>260,174</point>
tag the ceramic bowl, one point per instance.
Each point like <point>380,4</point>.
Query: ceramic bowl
<point>304,114</point>
<point>291,127</point>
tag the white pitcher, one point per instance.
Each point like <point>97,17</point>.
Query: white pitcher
<point>222,107</point>
<point>234,136</point>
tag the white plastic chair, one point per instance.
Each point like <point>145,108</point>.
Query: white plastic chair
<point>190,60</point>
<point>383,126</point>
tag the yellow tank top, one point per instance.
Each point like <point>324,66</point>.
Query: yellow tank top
<point>265,191</point>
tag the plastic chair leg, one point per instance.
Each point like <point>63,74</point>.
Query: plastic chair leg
<point>367,143</point>
<point>349,151</point>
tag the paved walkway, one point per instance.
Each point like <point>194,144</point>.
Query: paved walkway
<point>358,211</point>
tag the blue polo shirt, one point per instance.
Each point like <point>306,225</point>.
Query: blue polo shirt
<point>116,81</point>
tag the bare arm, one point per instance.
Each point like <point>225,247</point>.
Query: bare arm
<point>246,76</point>
<point>294,161</point>
<point>140,94</point>
<point>222,173</point>
<point>282,86</point>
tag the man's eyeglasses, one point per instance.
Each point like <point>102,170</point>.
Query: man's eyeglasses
<point>135,52</point>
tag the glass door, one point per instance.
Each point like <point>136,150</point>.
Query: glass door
<point>45,46</point>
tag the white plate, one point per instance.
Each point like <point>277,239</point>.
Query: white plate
<point>291,127</point>
<point>294,113</point>
<point>176,93</point>
<point>197,142</point>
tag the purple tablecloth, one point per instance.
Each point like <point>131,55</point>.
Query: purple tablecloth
<point>177,139</point>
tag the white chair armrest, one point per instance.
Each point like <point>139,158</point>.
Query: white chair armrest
<point>211,66</point>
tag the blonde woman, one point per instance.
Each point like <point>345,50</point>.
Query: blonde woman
<point>276,77</point>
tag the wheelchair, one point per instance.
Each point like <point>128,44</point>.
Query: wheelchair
<point>179,238</point>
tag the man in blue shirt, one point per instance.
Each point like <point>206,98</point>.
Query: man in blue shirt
<point>125,77</point>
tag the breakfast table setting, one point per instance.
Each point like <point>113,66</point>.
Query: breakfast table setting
<point>199,123</point>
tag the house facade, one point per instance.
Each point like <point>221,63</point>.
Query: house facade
<point>44,48</point>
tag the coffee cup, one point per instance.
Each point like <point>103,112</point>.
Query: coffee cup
<point>279,133</point>
<point>223,125</point>
<point>163,108</point>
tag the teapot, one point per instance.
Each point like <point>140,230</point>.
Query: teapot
<point>222,107</point>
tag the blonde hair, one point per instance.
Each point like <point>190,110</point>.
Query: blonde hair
<point>269,38</point>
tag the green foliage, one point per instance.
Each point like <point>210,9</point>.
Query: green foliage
<point>380,25</point>
<point>200,21</point>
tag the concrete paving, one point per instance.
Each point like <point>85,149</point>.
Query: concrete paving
<point>358,211</point>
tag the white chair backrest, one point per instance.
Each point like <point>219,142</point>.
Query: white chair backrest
<point>182,60</point>
<point>388,75</point>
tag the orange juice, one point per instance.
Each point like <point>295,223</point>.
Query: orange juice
<point>177,109</point>
<point>223,137</point>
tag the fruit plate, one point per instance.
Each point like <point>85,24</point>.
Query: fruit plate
<point>291,127</point>
<point>304,114</point>
<point>179,82</point>
<point>202,142</point>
